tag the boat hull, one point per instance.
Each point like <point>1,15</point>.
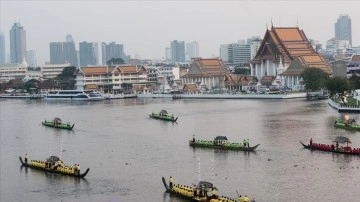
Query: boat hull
<point>48,170</point>
<point>342,125</point>
<point>163,117</point>
<point>331,151</point>
<point>237,148</point>
<point>60,126</point>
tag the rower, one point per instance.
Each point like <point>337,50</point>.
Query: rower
<point>78,169</point>
<point>193,138</point>
<point>213,193</point>
<point>246,199</point>
<point>26,158</point>
<point>171,181</point>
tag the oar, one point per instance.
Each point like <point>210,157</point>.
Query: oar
<point>237,193</point>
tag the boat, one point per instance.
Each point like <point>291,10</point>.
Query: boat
<point>75,95</point>
<point>349,124</point>
<point>163,115</point>
<point>333,148</point>
<point>119,96</point>
<point>221,142</point>
<point>52,165</point>
<point>198,193</point>
<point>57,123</point>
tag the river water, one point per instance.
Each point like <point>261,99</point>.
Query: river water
<point>128,153</point>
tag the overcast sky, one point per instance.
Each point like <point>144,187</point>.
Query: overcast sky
<point>147,27</point>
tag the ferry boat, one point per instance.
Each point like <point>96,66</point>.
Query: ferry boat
<point>76,95</point>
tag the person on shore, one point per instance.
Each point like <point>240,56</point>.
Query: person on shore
<point>171,181</point>
<point>26,158</point>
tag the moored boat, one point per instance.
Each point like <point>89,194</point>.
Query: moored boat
<point>74,95</point>
<point>57,123</point>
<point>334,148</point>
<point>163,115</point>
<point>349,124</point>
<point>54,165</point>
<point>221,142</point>
<point>200,192</point>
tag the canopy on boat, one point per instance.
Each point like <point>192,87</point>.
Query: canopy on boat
<point>57,120</point>
<point>342,139</point>
<point>221,138</point>
<point>53,159</point>
<point>205,185</point>
<point>163,111</point>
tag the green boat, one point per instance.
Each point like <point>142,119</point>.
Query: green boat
<point>163,115</point>
<point>349,124</point>
<point>57,123</point>
<point>221,142</point>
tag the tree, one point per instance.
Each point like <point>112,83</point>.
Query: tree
<point>314,78</point>
<point>67,78</point>
<point>337,85</point>
<point>31,84</point>
<point>242,71</point>
<point>354,82</point>
<point>115,61</point>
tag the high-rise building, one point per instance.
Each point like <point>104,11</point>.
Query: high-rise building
<point>239,53</point>
<point>112,50</point>
<point>87,55</point>
<point>31,58</point>
<point>177,51</point>
<point>226,53</point>
<point>192,50</point>
<point>69,51</point>
<point>2,49</point>
<point>167,53</point>
<point>56,53</point>
<point>17,43</point>
<point>98,53</point>
<point>343,28</point>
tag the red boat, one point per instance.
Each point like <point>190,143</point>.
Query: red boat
<point>334,148</point>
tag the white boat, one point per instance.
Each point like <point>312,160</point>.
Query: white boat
<point>119,96</point>
<point>76,95</point>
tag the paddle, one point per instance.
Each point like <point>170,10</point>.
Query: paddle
<point>237,193</point>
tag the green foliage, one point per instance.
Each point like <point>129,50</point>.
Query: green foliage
<point>314,78</point>
<point>31,84</point>
<point>337,85</point>
<point>354,81</point>
<point>242,71</point>
<point>67,78</point>
<point>115,61</point>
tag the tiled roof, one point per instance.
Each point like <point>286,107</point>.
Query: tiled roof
<point>207,67</point>
<point>97,70</point>
<point>355,58</point>
<point>128,69</point>
<point>288,33</point>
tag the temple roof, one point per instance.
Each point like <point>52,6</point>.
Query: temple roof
<point>95,70</point>
<point>207,67</point>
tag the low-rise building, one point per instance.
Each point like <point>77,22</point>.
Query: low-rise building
<point>52,70</point>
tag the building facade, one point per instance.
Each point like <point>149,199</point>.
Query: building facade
<point>87,54</point>
<point>17,43</point>
<point>56,53</point>
<point>13,71</point>
<point>343,28</point>
<point>177,49</point>
<point>2,49</point>
<point>70,51</point>
<point>52,70</point>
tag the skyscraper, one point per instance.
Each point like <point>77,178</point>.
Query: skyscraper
<point>112,50</point>
<point>192,50</point>
<point>31,58</point>
<point>2,49</point>
<point>177,51</point>
<point>56,53</point>
<point>69,51</point>
<point>343,28</point>
<point>87,55</point>
<point>17,43</point>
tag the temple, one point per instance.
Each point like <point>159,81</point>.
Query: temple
<point>283,55</point>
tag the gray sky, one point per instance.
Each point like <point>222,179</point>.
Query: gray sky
<point>147,27</point>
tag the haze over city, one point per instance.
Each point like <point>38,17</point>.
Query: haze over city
<point>147,27</point>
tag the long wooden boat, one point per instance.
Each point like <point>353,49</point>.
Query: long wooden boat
<point>57,123</point>
<point>197,193</point>
<point>332,148</point>
<point>348,125</point>
<point>50,167</point>
<point>163,115</point>
<point>220,142</point>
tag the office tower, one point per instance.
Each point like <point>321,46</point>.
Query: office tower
<point>98,53</point>
<point>343,28</point>
<point>56,53</point>
<point>226,53</point>
<point>177,51</point>
<point>17,43</point>
<point>2,49</point>
<point>87,55</point>
<point>31,58</point>
<point>167,53</point>
<point>112,50</point>
<point>69,51</point>
<point>192,50</point>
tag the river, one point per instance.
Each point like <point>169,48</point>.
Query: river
<point>128,153</point>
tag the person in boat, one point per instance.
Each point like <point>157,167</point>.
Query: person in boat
<point>310,142</point>
<point>244,142</point>
<point>247,142</point>
<point>75,168</point>
<point>171,181</point>
<point>193,138</point>
<point>246,199</point>
<point>195,191</point>
<point>213,193</point>
<point>337,145</point>
<point>78,169</point>
<point>26,158</point>
<point>241,199</point>
<point>68,124</point>
<point>335,121</point>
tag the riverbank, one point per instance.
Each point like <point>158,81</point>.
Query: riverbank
<point>343,107</point>
<point>225,96</point>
